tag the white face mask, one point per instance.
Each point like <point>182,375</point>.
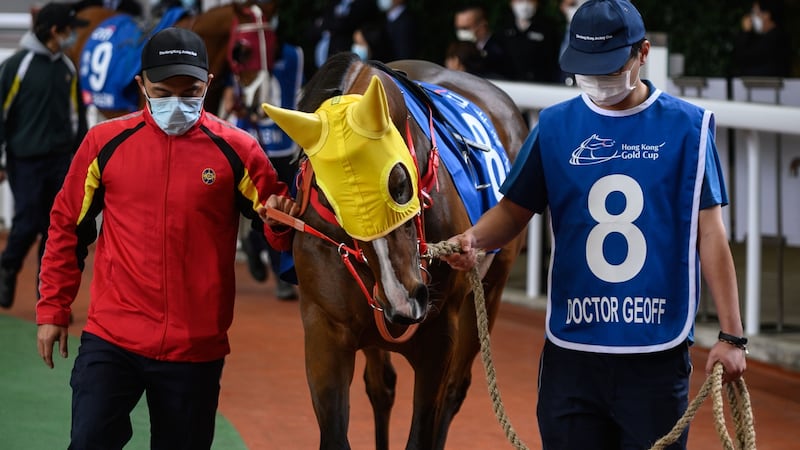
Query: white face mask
<point>758,24</point>
<point>523,10</point>
<point>463,34</point>
<point>175,115</point>
<point>607,90</point>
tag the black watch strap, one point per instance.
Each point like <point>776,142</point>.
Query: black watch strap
<point>736,341</point>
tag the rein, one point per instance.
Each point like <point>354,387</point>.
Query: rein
<point>346,253</point>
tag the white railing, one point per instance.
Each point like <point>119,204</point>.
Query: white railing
<point>15,21</point>
<point>753,118</point>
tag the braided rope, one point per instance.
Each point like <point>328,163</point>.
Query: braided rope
<point>741,412</point>
<point>445,248</point>
<point>738,396</point>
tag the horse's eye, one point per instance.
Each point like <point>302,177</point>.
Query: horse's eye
<point>400,184</point>
<point>241,52</point>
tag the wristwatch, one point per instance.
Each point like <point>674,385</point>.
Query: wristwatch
<point>736,341</point>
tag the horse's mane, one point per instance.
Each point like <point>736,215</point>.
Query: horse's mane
<point>327,82</point>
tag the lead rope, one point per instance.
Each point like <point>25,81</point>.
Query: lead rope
<point>741,411</point>
<point>446,248</point>
<point>737,393</point>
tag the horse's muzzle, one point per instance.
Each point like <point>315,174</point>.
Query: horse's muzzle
<point>413,310</point>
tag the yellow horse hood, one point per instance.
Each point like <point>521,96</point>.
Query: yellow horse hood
<point>353,146</point>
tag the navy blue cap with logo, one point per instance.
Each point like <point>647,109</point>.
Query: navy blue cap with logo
<point>600,37</point>
<point>175,51</point>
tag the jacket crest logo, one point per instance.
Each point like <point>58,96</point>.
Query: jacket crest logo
<point>209,176</point>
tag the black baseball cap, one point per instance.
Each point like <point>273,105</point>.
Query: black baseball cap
<point>175,51</point>
<point>60,15</point>
<point>600,37</point>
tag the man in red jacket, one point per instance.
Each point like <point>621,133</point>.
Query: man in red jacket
<point>171,181</point>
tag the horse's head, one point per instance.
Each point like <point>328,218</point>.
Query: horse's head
<point>367,174</point>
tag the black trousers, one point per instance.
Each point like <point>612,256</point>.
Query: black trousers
<point>611,402</point>
<point>34,183</point>
<point>108,381</point>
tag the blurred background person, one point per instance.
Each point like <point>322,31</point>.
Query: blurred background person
<point>41,125</point>
<point>464,56</point>
<point>763,47</point>
<point>532,40</point>
<point>471,25</point>
<point>371,41</point>
<point>333,31</point>
<point>401,28</point>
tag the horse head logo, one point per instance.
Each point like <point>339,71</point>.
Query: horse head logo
<point>594,150</point>
<point>362,163</point>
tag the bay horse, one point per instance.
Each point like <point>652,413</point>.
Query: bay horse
<point>347,249</point>
<point>219,27</point>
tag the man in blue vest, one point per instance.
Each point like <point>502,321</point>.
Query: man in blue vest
<point>42,123</point>
<point>634,186</point>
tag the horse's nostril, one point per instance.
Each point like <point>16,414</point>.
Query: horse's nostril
<point>420,294</point>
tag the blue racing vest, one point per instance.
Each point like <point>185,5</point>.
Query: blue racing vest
<point>624,193</point>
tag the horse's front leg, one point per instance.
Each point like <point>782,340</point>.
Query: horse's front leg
<point>467,345</point>
<point>330,362</point>
<point>431,363</point>
<point>380,380</point>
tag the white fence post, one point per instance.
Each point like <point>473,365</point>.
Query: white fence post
<point>752,317</point>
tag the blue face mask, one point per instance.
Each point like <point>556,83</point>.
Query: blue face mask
<point>68,41</point>
<point>361,50</point>
<point>175,115</point>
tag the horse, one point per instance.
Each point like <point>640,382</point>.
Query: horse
<point>341,249</point>
<point>220,27</point>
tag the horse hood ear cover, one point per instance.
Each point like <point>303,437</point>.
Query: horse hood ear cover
<point>353,146</point>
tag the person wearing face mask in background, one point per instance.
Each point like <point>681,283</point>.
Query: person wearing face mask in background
<point>332,32</point>
<point>763,47</point>
<point>531,39</point>
<point>170,181</point>
<point>634,188</point>
<point>370,41</point>
<point>42,122</point>
<point>471,25</point>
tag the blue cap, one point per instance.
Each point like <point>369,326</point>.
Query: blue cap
<point>600,37</point>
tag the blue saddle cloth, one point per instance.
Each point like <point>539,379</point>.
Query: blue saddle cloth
<point>111,58</point>
<point>468,145</point>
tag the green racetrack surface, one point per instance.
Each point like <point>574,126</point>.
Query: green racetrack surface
<point>35,400</point>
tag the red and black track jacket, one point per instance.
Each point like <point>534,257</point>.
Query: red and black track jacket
<point>163,284</point>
